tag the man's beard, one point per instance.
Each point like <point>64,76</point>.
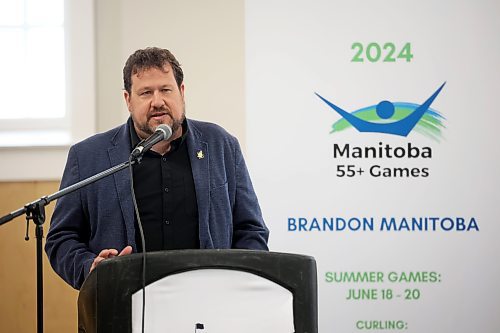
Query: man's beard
<point>176,124</point>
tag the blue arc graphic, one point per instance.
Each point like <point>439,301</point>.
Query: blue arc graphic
<point>385,110</point>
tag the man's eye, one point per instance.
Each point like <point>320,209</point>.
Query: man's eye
<point>145,93</point>
<point>165,90</point>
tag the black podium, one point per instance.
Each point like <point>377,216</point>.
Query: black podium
<point>215,287</point>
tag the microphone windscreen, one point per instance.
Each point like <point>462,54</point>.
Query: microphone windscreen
<point>167,131</point>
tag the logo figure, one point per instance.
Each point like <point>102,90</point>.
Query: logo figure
<point>397,118</point>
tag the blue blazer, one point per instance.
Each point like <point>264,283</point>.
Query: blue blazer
<point>101,215</point>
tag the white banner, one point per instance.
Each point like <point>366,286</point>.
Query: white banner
<point>372,143</point>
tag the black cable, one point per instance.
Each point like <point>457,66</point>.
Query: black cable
<point>143,241</point>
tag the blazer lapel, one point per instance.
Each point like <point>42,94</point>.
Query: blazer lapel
<point>119,153</point>
<point>199,158</point>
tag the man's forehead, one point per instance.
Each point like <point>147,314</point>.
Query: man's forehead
<point>139,71</point>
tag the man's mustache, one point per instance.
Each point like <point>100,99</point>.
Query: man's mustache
<point>159,112</point>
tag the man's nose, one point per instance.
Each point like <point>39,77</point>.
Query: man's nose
<point>157,100</point>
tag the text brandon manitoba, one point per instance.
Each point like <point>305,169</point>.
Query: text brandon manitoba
<point>360,224</point>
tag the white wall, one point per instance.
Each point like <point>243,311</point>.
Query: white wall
<point>207,37</point>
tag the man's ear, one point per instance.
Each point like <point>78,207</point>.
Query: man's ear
<point>126,96</point>
<point>182,90</point>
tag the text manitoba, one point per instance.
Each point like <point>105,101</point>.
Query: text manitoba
<point>299,224</point>
<point>382,151</point>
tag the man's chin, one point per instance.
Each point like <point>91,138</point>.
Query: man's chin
<point>154,123</point>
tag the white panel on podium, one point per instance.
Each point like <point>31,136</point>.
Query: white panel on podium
<point>215,301</point>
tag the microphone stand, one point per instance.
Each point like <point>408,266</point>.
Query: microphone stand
<point>36,211</point>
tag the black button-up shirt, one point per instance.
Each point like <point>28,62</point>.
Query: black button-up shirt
<point>166,197</point>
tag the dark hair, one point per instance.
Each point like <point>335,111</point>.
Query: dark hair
<point>151,57</point>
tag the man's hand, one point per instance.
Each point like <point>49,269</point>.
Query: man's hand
<point>109,253</point>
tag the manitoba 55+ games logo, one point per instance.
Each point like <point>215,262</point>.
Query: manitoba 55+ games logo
<point>398,118</point>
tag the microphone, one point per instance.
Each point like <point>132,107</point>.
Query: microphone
<point>162,132</point>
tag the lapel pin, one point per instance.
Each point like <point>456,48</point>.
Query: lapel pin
<point>200,155</point>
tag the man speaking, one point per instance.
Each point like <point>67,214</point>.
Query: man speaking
<point>193,189</point>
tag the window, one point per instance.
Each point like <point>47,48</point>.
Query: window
<point>32,84</point>
<point>47,84</point>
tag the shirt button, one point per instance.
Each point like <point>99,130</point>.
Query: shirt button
<point>167,222</point>
<point>166,189</point>
<point>164,159</point>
